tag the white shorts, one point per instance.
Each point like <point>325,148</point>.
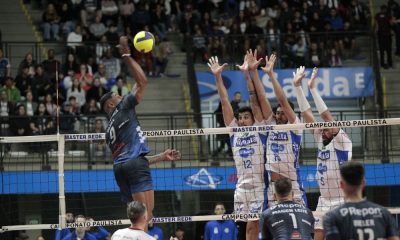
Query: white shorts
<point>249,201</point>
<point>298,195</point>
<point>325,205</point>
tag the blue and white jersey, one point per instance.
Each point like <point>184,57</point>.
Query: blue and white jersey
<point>123,134</point>
<point>156,233</point>
<point>329,159</point>
<point>249,154</point>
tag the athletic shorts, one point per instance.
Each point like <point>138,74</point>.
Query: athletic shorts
<point>325,205</point>
<point>133,176</point>
<point>249,201</point>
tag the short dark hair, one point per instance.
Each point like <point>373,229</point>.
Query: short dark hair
<point>246,109</point>
<point>135,210</point>
<point>104,99</point>
<point>279,105</point>
<point>283,187</point>
<point>352,173</point>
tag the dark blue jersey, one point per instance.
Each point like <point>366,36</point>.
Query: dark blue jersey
<point>123,134</point>
<point>156,233</point>
<point>287,220</point>
<point>359,220</point>
<point>220,230</point>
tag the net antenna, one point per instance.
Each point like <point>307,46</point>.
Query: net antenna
<point>60,159</point>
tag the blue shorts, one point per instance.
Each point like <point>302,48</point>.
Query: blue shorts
<point>133,176</point>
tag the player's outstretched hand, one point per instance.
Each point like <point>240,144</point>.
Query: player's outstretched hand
<point>269,66</point>
<point>245,66</point>
<point>311,82</point>
<point>171,155</point>
<point>214,65</point>
<point>123,45</point>
<point>298,76</point>
<point>252,59</point>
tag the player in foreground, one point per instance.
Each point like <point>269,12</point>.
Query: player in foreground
<point>247,148</point>
<point>334,149</point>
<point>137,214</point>
<point>126,141</point>
<point>358,218</point>
<point>287,219</point>
<point>283,147</point>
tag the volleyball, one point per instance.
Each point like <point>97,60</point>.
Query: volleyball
<point>143,41</point>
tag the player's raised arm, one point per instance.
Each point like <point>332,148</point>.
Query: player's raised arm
<point>301,98</point>
<point>217,69</point>
<point>280,96</point>
<point>134,68</point>
<point>265,106</point>
<point>255,106</point>
<point>167,155</point>
<point>319,103</point>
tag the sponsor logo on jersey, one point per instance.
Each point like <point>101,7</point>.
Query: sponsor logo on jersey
<point>324,155</point>
<point>322,168</point>
<point>246,152</point>
<point>295,235</point>
<point>276,148</point>
<point>279,136</point>
<point>352,211</point>
<point>244,141</point>
<point>203,179</point>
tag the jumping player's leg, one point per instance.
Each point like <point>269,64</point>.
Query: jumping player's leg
<point>252,230</point>
<point>147,198</point>
<point>319,234</point>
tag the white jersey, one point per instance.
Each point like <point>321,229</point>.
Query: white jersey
<point>329,159</point>
<point>248,151</point>
<point>131,234</point>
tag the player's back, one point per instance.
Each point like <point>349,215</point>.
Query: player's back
<point>287,220</point>
<point>360,220</point>
<point>131,234</point>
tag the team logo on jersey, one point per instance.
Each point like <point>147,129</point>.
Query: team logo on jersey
<point>276,148</point>
<point>279,136</point>
<point>246,152</point>
<point>203,179</point>
<point>295,235</point>
<point>324,155</point>
<point>322,168</point>
<point>244,141</point>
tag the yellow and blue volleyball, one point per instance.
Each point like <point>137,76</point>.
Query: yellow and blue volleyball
<point>144,41</point>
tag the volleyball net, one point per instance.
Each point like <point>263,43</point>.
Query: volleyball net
<point>45,177</point>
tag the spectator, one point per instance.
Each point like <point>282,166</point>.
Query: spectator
<point>98,147</point>
<point>102,75</point>
<point>220,230</point>
<point>42,123</point>
<point>299,50</point>
<point>347,43</point>
<point>67,119</point>
<point>215,48</point>
<point>112,65</point>
<point>80,232</point>
<point>179,233</point>
<point>84,77</point>
<point>335,20</point>
<point>50,23</point>
<point>29,104</point>
<point>272,37</point>
<point>236,102</point>
<point>6,110</point>
<point>51,107</point>
<point>97,29</point>
<point>109,9</point>
<point>20,122</point>
<point>100,233</point>
<point>66,19</point>
<point>70,64</point>
<point>155,232</point>
<point>74,39</point>
<point>359,14</point>
<point>60,234</point>
<point>91,108</point>
<point>77,92</point>
<point>42,82</point>
<point>126,10</point>
<point>199,45</point>
<point>334,59</point>
<point>28,61</point>
<point>159,20</point>
<point>383,29</point>
<point>88,11</point>
<point>51,65</point>
<point>298,22</point>
<point>315,56</point>
<point>120,88</point>
<point>13,93</point>
<point>101,48</point>
<point>67,81</point>
<point>161,52</point>
<point>23,81</point>
<point>96,91</point>
<point>5,67</point>
<point>112,34</point>
<point>316,23</point>
<point>394,9</point>
<point>140,17</point>
<point>223,139</point>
